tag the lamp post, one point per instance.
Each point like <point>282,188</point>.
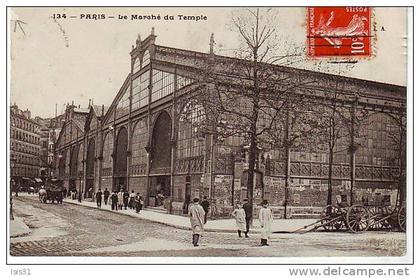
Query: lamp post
<point>12,185</point>
<point>81,185</point>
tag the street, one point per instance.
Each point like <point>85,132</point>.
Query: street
<point>72,230</point>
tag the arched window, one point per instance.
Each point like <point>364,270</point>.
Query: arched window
<point>190,143</point>
<point>74,161</point>
<point>107,152</point>
<point>146,59</point>
<point>137,65</point>
<point>62,164</point>
<point>139,142</point>
<point>161,142</point>
<point>123,104</point>
<point>90,164</point>
<point>162,84</point>
<point>140,91</point>
<point>120,159</point>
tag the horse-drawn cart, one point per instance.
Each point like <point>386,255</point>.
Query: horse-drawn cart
<point>378,214</point>
<point>51,191</point>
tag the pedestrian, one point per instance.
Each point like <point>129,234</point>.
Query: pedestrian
<point>196,214</point>
<point>206,206</point>
<point>131,203</point>
<point>266,220</point>
<point>239,215</point>
<point>120,199</point>
<point>79,197</point>
<point>126,196</point>
<point>114,201</point>
<point>138,203</point>
<point>99,198</point>
<point>186,204</point>
<point>106,196</point>
<point>248,215</point>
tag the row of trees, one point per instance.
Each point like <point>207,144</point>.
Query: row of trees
<point>272,107</point>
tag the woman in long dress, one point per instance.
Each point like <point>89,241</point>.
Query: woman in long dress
<point>239,215</point>
<point>266,219</point>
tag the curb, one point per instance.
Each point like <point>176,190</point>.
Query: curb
<point>181,227</point>
<point>19,224</point>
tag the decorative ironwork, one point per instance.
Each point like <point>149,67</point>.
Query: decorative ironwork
<point>191,164</point>
<point>107,172</point>
<point>139,169</point>
<point>340,171</point>
<point>161,170</point>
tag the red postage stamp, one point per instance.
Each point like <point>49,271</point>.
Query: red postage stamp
<point>339,31</point>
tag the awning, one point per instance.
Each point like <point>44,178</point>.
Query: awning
<point>38,180</point>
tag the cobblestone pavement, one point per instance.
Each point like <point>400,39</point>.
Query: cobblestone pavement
<point>71,230</point>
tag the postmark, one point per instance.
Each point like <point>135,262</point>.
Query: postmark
<point>339,32</point>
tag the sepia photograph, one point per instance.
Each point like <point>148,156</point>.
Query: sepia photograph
<point>200,134</point>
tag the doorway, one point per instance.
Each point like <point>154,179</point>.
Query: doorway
<point>120,161</point>
<point>160,190</point>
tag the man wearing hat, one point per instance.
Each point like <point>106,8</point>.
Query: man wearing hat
<point>196,214</point>
<point>248,215</point>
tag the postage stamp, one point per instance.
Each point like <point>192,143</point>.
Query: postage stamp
<point>339,31</point>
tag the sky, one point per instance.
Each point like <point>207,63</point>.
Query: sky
<point>59,61</point>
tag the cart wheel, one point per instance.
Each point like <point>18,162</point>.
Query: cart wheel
<point>377,214</point>
<point>401,218</point>
<point>386,223</point>
<point>327,215</point>
<point>357,219</point>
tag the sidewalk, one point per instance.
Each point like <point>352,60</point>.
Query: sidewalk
<point>182,222</point>
<point>18,228</point>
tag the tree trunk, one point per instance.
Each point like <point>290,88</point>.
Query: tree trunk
<point>401,164</point>
<point>287,164</point>
<point>253,130</point>
<point>352,152</point>
<point>330,166</point>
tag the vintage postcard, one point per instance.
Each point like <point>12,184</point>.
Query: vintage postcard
<point>209,135</point>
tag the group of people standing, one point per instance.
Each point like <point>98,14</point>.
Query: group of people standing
<point>120,200</point>
<point>243,217</point>
<point>74,194</point>
<point>242,213</point>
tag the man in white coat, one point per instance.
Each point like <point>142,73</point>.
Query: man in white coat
<point>196,214</point>
<point>266,219</point>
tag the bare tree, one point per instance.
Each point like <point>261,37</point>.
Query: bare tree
<point>398,135</point>
<point>333,125</point>
<point>246,96</point>
<point>296,125</point>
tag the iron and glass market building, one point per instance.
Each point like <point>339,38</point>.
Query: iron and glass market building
<point>142,141</point>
